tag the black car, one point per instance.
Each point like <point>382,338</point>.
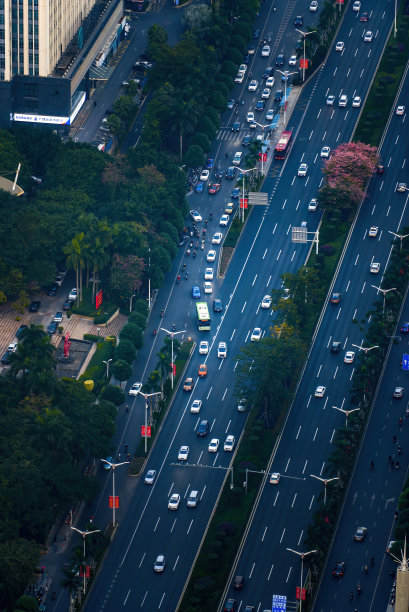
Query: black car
<point>52,328</point>
<point>280,60</point>
<point>256,34</point>
<point>260,105</point>
<point>6,359</point>
<point>236,126</point>
<point>298,21</point>
<point>34,306</point>
<point>238,583</point>
<point>230,605</point>
<point>268,72</point>
<point>235,194</point>
<point>246,58</point>
<point>246,140</point>
<point>217,305</point>
<point>278,96</point>
<point>20,330</point>
<point>336,347</point>
<point>53,289</point>
<point>339,569</point>
<point>230,172</point>
<point>67,305</point>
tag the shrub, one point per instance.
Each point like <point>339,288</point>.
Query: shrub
<point>142,307</point>
<point>93,338</point>
<point>125,350</point>
<point>138,319</point>
<point>132,332</point>
<point>326,249</point>
<point>113,394</point>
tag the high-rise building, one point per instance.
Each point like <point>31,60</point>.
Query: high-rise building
<point>47,48</point>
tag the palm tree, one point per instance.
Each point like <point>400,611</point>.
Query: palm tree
<point>75,260</point>
<point>163,367</point>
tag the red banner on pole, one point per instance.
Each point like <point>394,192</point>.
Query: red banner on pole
<point>303,593</point>
<point>174,369</point>
<point>244,203</point>
<point>146,431</point>
<point>111,501</point>
<point>98,299</point>
<point>304,63</point>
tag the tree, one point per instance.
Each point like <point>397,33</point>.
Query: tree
<point>194,156</point>
<point>18,561</point>
<point>75,261</point>
<point>125,350</point>
<point>122,370</point>
<point>132,332</point>
<point>126,275</point>
<point>163,367</point>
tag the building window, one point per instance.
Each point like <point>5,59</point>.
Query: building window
<point>30,90</point>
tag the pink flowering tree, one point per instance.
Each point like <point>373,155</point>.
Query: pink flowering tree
<point>126,275</point>
<point>346,174</point>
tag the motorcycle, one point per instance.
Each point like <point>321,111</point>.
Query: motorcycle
<point>202,247</point>
<point>178,280</point>
<point>154,332</point>
<point>194,253</point>
<point>188,252</point>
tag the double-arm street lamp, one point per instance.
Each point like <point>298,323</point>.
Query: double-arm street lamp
<point>325,481</point>
<point>365,349</point>
<point>263,127</point>
<point>84,534</point>
<point>304,35</point>
<point>113,466</point>
<point>244,172</point>
<point>302,555</point>
<point>400,236</point>
<point>346,412</point>
<point>286,74</point>
<point>172,334</point>
<point>107,365</point>
<point>384,292</point>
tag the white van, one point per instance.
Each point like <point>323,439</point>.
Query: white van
<point>193,499</point>
<point>237,158</point>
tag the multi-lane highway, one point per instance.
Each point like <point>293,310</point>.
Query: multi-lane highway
<point>265,251</point>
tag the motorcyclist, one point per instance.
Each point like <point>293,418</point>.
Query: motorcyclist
<point>372,465</point>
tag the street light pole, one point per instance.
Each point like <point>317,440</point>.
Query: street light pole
<point>172,333</point>
<point>302,556</point>
<point>113,467</point>
<point>365,349</point>
<point>325,481</point>
<point>286,74</point>
<point>400,236</point>
<point>244,172</point>
<point>346,412</point>
<point>262,160</point>
<point>394,27</point>
<point>384,292</point>
<point>304,35</point>
<point>84,534</point>
<point>146,395</point>
<point>107,365</point>
<point>130,302</point>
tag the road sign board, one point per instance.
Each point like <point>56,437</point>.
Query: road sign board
<point>299,234</point>
<point>258,198</point>
<point>279,603</point>
<point>405,362</point>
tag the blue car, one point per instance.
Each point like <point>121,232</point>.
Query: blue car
<point>210,163</point>
<point>235,193</point>
<point>199,187</point>
<point>404,328</point>
<point>196,293</point>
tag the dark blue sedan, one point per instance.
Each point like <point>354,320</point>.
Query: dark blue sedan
<point>199,187</point>
<point>196,293</point>
<point>235,193</point>
<point>404,328</point>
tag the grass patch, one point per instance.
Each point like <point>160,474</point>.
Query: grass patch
<point>231,240</point>
<point>87,306</point>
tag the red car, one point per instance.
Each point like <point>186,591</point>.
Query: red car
<point>214,188</point>
<point>364,17</point>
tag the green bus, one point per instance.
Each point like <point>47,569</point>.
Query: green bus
<point>203,318</point>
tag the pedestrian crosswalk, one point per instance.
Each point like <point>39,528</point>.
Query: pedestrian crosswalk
<point>226,133</point>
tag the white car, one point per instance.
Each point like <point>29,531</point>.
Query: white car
<point>159,565</point>
<point>222,350</point>
<point>209,273</point>
<point>265,51</point>
<point>136,387</point>
<point>356,102</point>
<point>373,231</point>
<point>183,453</point>
<point>253,85</point>
<point>270,82</point>
<point>205,175</point>
<point>325,152</point>
<point>319,391</point>
<point>400,110</point>
<point>293,60</point>
<point>213,445</point>
<point>224,220</point>
<point>203,347</point>
<point>266,93</point>
<point>195,407</point>
<point>193,213</point>
<point>12,347</point>
<point>243,68</point>
<point>58,317</point>
<point>368,36</point>
<point>239,78</point>
<point>312,206</point>
<point>270,115</point>
<point>330,100</point>
<point>217,238</point>
<point>313,6</point>
<point>174,501</point>
<point>229,443</point>
<point>339,46</point>
<point>349,357</point>
<point>356,6</point>
<point>73,294</point>
<point>208,287</point>
<point>256,334</point>
<point>343,100</point>
<point>211,256</point>
<point>250,117</point>
<point>375,267</point>
<point>150,477</point>
<point>266,301</point>
<point>302,170</point>
<point>275,478</point>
